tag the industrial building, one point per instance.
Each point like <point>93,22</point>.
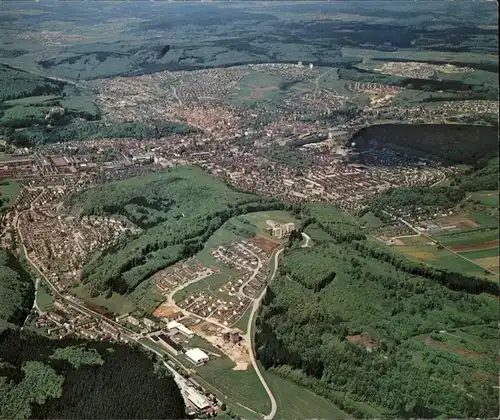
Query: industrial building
<point>197,356</point>
<point>174,325</point>
<point>168,343</point>
<point>199,401</point>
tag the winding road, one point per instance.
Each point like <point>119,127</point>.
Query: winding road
<point>249,337</point>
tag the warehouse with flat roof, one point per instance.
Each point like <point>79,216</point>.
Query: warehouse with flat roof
<point>197,356</point>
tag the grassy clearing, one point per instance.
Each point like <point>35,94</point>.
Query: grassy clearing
<point>44,299</point>
<point>9,189</point>
<point>242,323</point>
<point>117,304</point>
<point>484,253</point>
<point>295,402</point>
<point>240,386</point>
<point>371,221</point>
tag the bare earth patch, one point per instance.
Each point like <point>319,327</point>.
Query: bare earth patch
<point>491,263</point>
<point>447,347</point>
<point>475,247</point>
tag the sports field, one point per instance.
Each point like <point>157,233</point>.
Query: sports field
<point>44,299</point>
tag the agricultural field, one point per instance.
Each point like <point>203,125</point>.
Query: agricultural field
<point>423,249</point>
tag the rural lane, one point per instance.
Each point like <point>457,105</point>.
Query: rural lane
<point>249,337</point>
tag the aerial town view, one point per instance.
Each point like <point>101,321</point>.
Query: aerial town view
<point>249,210</point>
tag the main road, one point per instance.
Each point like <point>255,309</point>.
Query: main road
<point>249,337</point>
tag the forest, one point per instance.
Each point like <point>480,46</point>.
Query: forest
<point>70,378</point>
<point>376,334</point>
<point>178,210</point>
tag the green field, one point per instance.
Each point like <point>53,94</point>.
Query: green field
<point>241,386</point>
<point>9,189</point>
<point>43,298</point>
<point>371,221</point>
<point>488,198</point>
<point>484,253</point>
<point>212,283</point>
<point>483,220</point>
<point>472,237</point>
<point>439,258</point>
<point>295,402</point>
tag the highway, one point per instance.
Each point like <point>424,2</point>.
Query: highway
<point>249,337</point>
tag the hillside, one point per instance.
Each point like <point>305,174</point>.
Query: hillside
<point>452,143</point>
<point>177,209</point>
<point>377,334</point>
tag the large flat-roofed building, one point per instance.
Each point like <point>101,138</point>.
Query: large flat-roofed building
<point>279,230</point>
<point>197,356</point>
<point>168,343</point>
<point>199,401</point>
<point>174,325</point>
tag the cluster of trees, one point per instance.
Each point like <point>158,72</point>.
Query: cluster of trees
<point>288,155</point>
<point>45,378</point>
<point>92,130</point>
<point>319,336</point>
<point>179,210</point>
<point>16,289</point>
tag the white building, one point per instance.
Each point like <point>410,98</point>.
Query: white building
<point>199,401</point>
<point>181,328</point>
<point>133,321</point>
<point>197,356</point>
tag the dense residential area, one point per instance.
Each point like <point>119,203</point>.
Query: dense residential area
<point>249,211</point>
